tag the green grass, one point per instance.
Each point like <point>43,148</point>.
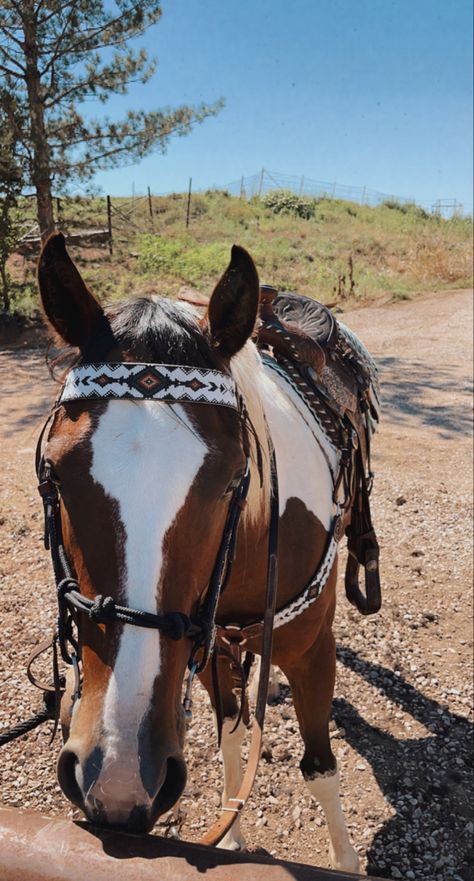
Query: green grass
<point>297,243</point>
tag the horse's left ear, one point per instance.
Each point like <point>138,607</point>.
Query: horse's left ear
<point>69,306</point>
<point>233,307</point>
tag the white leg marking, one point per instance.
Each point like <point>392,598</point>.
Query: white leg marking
<point>273,681</point>
<point>325,788</point>
<point>146,460</point>
<point>231,757</point>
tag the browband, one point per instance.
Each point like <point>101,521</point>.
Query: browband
<point>150,382</point>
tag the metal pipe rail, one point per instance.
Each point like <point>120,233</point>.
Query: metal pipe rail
<point>38,848</point>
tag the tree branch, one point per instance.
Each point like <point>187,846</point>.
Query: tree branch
<point>56,52</point>
<point>11,58</point>
<point>12,73</point>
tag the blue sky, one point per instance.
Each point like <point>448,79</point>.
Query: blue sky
<point>362,92</point>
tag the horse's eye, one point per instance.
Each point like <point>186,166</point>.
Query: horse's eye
<point>233,485</point>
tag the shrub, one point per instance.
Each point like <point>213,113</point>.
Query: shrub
<point>407,208</point>
<point>286,202</point>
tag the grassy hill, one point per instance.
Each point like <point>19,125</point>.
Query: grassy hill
<point>329,249</point>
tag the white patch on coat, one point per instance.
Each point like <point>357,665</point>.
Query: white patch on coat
<point>145,457</point>
<point>305,457</point>
<point>303,469</point>
<point>325,788</point>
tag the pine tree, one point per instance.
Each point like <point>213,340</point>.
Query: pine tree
<point>11,181</point>
<point>55,54</point>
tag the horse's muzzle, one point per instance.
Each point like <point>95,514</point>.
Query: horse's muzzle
<point>114,806</point>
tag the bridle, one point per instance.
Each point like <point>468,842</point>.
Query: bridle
<point>169,384</point>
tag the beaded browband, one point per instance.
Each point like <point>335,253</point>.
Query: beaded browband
<point>150,382</point>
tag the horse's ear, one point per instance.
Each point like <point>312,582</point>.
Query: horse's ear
<point>69,306</point>
<point>233,307</point>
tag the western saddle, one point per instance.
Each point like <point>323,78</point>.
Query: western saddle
<point>338,379</point>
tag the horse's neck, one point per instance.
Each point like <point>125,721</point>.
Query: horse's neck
<point>304,456</point>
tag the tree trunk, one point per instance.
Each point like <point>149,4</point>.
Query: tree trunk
<point>5,294</point>
<point>41,169</point>
<point>6,302</point>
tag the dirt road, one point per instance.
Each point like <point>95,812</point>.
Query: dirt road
<point>403,699</point>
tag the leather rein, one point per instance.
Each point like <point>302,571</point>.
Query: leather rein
<point>170,384</point>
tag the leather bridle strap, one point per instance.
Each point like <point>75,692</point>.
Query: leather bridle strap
<point>234,805</point>
<point>103,610</point>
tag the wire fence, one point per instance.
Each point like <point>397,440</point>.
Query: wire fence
<point>266,181</point>
<point>105,220</point>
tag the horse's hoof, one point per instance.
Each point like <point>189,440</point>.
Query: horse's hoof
<point>347,861</point>
<point>233,841</point>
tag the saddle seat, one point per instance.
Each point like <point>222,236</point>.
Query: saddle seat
<point>328,354</point>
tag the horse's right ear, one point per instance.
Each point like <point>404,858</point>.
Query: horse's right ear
<point>69,306</point>
<point>233,307</point>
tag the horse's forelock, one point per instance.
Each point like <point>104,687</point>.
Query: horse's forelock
<point>162,330</point>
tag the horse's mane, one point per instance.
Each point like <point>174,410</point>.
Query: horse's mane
<point>158,329</point>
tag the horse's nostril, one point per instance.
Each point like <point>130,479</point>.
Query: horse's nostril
<point>70,776</point>
<point>173,786</point>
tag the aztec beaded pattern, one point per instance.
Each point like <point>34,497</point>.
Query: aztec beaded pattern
<point>150,382</point>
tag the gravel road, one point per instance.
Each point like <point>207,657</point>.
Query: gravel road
<point>402,725</point>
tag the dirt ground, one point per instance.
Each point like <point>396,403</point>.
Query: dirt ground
<point>402,713</point>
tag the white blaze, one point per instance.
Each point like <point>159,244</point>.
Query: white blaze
<point>146,459</point>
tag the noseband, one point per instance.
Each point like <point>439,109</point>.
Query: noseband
<point>144,382</point>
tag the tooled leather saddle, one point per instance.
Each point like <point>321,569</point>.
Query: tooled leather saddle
<point>338,379</point>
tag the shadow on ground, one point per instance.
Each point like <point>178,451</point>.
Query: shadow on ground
<point>428,781</point>
<point>412,393</point>
<point>20,375</point>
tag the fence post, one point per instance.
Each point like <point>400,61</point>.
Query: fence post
<point>58,211</point>
<point>150,204</point>
<point>109,223</point>
<point>301,186</point>
<point>188,207</point>
<point>242,188</point>
<point>260,186</point>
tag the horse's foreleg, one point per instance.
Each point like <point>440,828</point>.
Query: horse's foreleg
<point>273,682</point>
<point>231,742</point>
<point>312,682</point>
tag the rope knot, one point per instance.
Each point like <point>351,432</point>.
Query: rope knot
<point>102,610</point>
<point>65,586</point>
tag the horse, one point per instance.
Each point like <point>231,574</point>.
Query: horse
<point>144,493</point>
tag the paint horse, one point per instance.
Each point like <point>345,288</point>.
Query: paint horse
<point>145,486</point>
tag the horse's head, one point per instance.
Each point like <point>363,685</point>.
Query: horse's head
<point>145,488</point>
